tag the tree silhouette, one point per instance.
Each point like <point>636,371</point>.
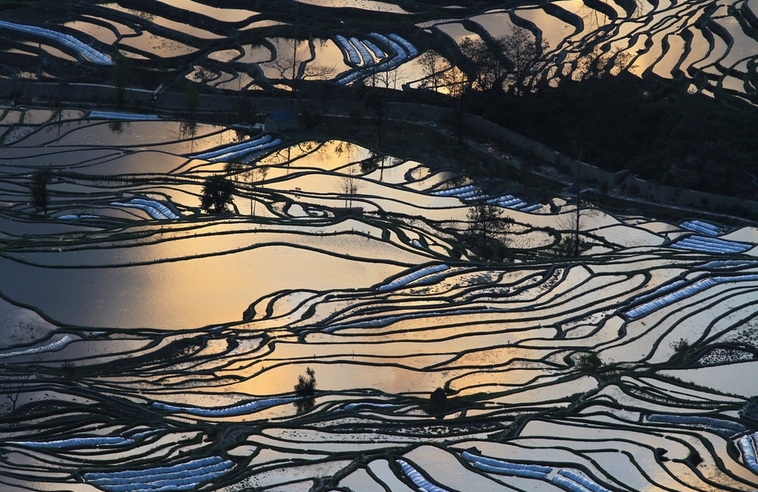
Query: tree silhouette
<point>121,77</point>
<point>305,390</point>
<point>486,231</point>
<point>504,62</point>
<point>348,186</point>
<point>251,177</point>
<point>434,67</point>
<point>38,188</point>
<point>489,68</point>
<point>588,362</point>
<point>218,195</point>
<point>598,64</point>
<point>523,50</point>
<point>437,403</point>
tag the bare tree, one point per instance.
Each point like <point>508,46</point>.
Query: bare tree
<point>434,67</point>
<point>569,227</point>
<point>489,69</point>
<point>253,176</point>
<point>14,386</point>
<point>348,186</point>
<point>289,67</point>
<point>600,63</point>
<point>386,79</point>
<point>523,50</point>
<point>486,231</point>
<point>440,76</point>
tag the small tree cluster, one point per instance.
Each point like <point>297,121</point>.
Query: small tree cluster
<point>218,195</point>
<point>681,350</point>
<point>348,186</point>
<point>437,403</point>
<point>588,362</point>
<point>442,77</point>
<point>486,231</point>
<point>305,391</point>
<point>505,63</point>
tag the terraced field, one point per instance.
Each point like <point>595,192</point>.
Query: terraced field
<point>343,325</point>
<point>152,346</point>
<point>236,47</point>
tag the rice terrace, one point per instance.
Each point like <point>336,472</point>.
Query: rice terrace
<point>378,245</point>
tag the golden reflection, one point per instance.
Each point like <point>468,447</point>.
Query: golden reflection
<point>220,13</point>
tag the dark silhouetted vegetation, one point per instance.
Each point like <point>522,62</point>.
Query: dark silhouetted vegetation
<point>588,362</point>
<point>218,195</point>
<point>440,405</point>
<point>486,231</point>
<point>68,368</point>
<point>437,402</point>
<point>38,188</point>
<point>681,350</point>
<point>654,129</point>
<point>305,391</point>
<point>121,77</point>
<point>749,412</point>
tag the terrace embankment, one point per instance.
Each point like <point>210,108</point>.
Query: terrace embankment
<point>479,137</point>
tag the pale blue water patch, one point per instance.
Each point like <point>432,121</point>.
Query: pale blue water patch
<point>504,467</point>
<point>84,50</point>
<point>183,476</point>
<point>748,445</point>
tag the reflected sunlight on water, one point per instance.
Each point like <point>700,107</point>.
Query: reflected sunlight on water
<point>192,292</point>
<point>182,334</point>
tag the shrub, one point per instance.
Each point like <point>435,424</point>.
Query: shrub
<point>681,346</point>
<point>305,391</point>
<point>681,350</point>
<point>588,362</point>
<point>68,368</point>
<point>218,195</point>
<point>437,402</point>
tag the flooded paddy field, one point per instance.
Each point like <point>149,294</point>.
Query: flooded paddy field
<point>711,45</point>
<point>352,320</point>
<point>338,329</point>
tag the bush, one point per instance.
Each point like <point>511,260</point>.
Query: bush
<point>681,346</point>
<point>305,391</point>
<point>588,362</point>
<point>68,368</point>
<point>218,195</point>
<point>486,231</point>
<point>437,402</point>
